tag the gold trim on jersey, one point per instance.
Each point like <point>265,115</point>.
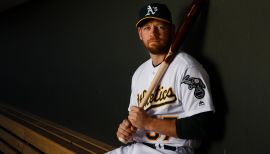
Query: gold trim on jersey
<point>159,98</point>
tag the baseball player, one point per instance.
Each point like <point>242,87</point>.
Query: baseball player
<point>178,113</point>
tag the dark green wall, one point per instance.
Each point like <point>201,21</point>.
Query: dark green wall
<point>71,62</point>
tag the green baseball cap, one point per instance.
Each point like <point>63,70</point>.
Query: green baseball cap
<point>154,11</point>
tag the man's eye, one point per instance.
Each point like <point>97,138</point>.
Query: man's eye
<point>162,27</point>
<point>147,28</point>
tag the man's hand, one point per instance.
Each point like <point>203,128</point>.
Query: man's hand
<point>125,130</point>
<point>139,118</point>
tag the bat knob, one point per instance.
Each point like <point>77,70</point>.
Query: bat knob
<point>122,140</point>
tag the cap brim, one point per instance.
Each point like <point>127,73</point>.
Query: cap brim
<point>137,24</point>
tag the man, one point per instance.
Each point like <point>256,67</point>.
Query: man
<point>177,115</point>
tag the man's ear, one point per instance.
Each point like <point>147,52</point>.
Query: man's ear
<point>140,32</point>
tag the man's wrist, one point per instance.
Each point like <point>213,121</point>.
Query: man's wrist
<point>150,124</point>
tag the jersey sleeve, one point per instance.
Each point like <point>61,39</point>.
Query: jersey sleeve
<point>194,91</point>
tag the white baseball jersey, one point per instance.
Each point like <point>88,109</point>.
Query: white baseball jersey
<point>183,91</point>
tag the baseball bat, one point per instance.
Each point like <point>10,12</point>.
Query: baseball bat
<point>180,35</point>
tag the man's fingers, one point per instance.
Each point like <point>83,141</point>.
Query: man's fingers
<point>134,109</point>
<point>133,129</point>
<point>126,123</point>
<point>131,118</point>
<point>125,134</point>
<point>123,128</point>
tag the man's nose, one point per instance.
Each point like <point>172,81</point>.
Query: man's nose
<point>154,31</point>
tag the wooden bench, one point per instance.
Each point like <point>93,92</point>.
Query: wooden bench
<point>21,132</point>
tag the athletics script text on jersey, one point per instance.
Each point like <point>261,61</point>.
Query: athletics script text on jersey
<point>159,98</point>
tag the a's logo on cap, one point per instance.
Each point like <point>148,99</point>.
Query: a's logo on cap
<point>151,10</point>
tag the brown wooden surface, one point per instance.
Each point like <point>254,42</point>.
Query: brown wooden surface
<point>17,143</point>
<point>73,137</point>
<point>44,135</point>
<point>6,149</point>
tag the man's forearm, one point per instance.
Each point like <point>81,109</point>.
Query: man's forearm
<point>166,127</point>
<point>194,127</point>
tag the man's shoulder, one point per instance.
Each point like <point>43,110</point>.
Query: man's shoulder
<point>142,67</point>
<point>185,60</point>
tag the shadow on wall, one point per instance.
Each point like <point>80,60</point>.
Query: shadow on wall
<point>8,4</point>
<point>194,45</point>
